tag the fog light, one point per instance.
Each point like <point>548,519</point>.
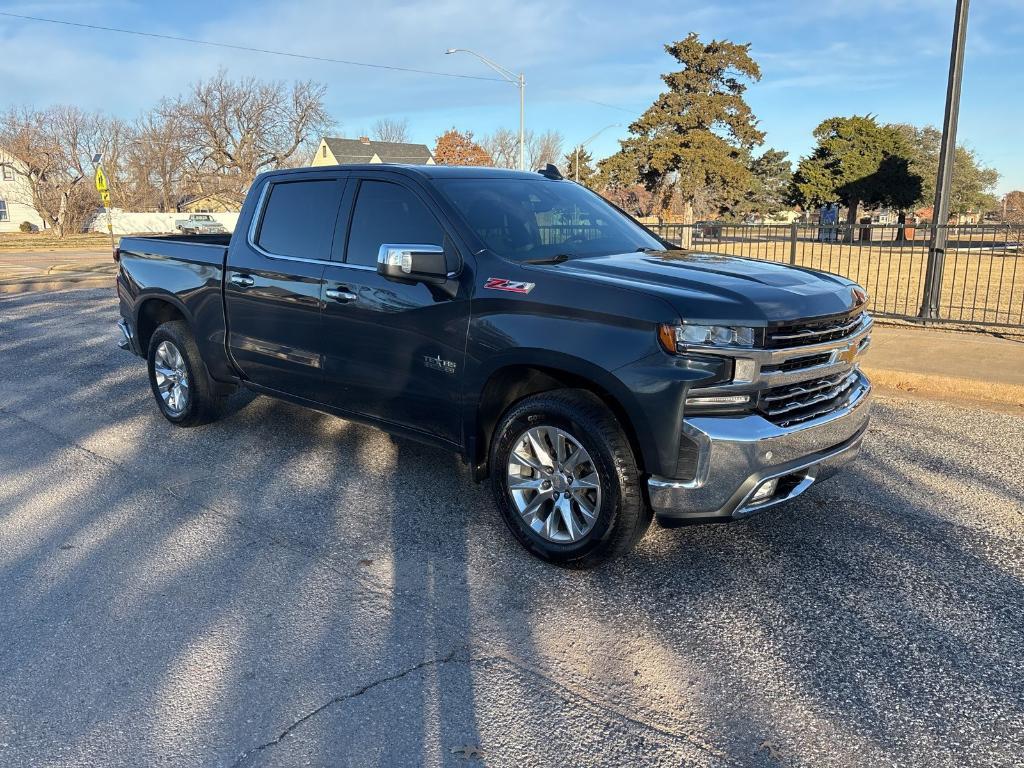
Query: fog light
<point>719,400</point>
<point>766,491</point>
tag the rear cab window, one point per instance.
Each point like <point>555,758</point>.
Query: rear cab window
<point>299,218</point>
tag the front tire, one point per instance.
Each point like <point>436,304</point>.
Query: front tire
<point>184,391</point>
<point>565,479</point>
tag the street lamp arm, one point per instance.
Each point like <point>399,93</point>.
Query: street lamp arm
<point>517,80</point>
<point>587,141</point>
<point>505,73</point>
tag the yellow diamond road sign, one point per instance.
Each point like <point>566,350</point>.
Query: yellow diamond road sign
<point>101,180</point>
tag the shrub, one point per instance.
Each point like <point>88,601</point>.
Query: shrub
<point>26,226</point>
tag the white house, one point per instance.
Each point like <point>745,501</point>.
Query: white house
<point>15,196</point>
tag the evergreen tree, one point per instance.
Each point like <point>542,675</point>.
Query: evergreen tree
<point>698,134</point>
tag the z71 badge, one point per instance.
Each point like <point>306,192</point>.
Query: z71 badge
<point>502,284</point>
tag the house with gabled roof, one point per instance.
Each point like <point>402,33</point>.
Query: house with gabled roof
<point>16,195</point>
<point>334,151</point>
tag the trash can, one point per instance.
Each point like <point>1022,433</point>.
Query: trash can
<point>865,229</point>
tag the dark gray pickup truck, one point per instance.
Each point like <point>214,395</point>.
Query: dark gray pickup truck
<point>596,374</point>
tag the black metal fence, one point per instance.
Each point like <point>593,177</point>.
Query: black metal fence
<point>982,280</point>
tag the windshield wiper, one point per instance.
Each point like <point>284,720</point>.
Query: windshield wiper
<point>558,258</point>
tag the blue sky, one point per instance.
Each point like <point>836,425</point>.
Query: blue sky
<point>818,59</point>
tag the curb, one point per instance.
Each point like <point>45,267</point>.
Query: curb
<point>55,283</point>
<point>947,388</point>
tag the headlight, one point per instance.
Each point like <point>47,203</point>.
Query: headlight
<point>675,338</point>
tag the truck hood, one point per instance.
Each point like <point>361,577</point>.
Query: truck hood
<point>718,288</point>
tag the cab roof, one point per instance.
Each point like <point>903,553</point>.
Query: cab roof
<point>421,171</point>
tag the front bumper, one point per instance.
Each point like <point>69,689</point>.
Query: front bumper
<point>738,455</point>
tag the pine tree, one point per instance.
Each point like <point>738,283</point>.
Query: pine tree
<point>698,135</point>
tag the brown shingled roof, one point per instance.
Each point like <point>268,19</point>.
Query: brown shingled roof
<point>360,151</point>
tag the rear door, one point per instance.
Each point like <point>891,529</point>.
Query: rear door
<point>394,350</point>
<point>273,282</point>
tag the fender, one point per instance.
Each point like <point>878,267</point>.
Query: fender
<point>638,427</point>
<point>163,295</point>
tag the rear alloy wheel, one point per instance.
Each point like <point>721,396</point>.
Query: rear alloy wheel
<point>171,377</point>
<point>183,389</point>
<point>565,479</point>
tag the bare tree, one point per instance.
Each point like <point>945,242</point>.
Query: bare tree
<point>390,130</point>
<point>503,147</point>
<point>156,162</point>
<point>543,148</point>
<point>233,130</point>
<point>53,149</point>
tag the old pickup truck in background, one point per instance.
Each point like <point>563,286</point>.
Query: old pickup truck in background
<point>200,224</point>
<point>594,373</point>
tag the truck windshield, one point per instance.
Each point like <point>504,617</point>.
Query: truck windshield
<point>540,219</point>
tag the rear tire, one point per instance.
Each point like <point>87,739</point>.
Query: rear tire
<point>181,384</point>
<point>565,479</point>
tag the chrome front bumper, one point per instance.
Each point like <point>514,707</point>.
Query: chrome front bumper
<point>737,455</point>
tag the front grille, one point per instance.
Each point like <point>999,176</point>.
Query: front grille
<point>796,403</point>
<point>813,331</point>
<point>798,363</point>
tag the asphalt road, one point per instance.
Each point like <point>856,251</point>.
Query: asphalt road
<point>27,271</point>
<point>286,588</point>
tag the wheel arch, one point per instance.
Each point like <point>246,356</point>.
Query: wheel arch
<point>513,379</point>
<point>152,311</point>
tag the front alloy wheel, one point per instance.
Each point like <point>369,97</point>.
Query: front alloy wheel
<point>554,484</point>
<point>565,478</point>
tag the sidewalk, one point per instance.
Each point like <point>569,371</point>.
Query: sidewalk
<point>952,365</point>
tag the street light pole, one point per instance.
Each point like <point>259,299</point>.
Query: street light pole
<point>582,144</point>
<point>940,211</point>
<point>517,80</point>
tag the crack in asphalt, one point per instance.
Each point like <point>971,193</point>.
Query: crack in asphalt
<point>245,757</point>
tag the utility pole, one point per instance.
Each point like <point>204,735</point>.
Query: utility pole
<point>940,211</point>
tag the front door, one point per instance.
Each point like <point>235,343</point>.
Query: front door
<point>274,280</point>
<point>393,350</point>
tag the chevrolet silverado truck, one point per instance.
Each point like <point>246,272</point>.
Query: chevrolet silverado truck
<point>597,375</point>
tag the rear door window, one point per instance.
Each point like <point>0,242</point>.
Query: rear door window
<point>299,218</point>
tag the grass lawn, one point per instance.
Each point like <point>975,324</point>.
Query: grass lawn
<point>47,241</point>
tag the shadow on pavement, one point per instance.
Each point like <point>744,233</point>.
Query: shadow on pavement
<point>284,587</point>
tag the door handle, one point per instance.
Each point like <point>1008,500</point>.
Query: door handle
<point>340,295</point>
<point>242,281</point>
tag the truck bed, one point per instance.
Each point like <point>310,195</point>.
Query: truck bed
<point>211,239</point>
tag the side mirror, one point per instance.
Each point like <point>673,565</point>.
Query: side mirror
<point>405,261</point>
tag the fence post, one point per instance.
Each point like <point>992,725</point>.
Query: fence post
<point>792,242</point>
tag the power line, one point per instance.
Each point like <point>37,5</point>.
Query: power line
<point>247,48</point>
<point>604,104</point>
<point>288,54</point>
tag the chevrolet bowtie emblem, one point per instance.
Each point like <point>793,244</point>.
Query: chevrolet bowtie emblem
<point>848,355</point>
